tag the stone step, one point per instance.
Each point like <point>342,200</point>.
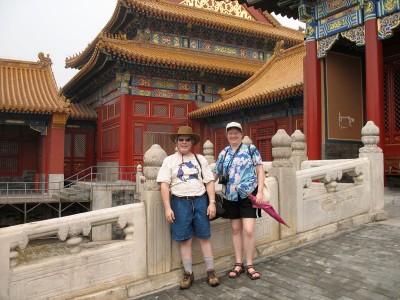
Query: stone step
<point>67,192</point>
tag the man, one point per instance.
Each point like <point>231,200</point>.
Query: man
<point>185,179</point>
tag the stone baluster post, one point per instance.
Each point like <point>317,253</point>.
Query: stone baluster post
<point>299,152</point>
<point>247,140</point>
<point>208,151</point>
<point>139,181</point>
<point>370,139</point>
<point>71,234</point>
<point>101,198</point>
<point>285,172</point>
<point>19,241</point>
<point>158,230</point>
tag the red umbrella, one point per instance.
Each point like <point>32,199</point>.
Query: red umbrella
<point>268,208</point>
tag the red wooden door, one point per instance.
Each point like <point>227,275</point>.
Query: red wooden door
<point>261,135</point>
<point>75,153</point>
<point>392,115</point>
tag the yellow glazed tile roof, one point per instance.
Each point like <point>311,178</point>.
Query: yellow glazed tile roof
<point>187,15</point>
<point>170,57</point>
<point>30,87</point>
<point>279,78</point>
<point>206,18</point>
<point>82,111</point>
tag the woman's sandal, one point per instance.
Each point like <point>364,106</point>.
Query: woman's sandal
<point>237,273</point>
<point>251,275</point>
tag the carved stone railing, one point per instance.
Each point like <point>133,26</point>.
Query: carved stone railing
<point>307,194</point>
<point>70,230</point>
<point>323,199</point>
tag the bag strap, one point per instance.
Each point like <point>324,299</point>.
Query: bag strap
<point>230,162</point>
<point>201,169</point>
<point>251,153</point>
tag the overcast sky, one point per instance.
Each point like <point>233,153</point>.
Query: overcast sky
<point>60,28</point>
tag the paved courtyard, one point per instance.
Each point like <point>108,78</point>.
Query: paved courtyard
<point>358,264</point>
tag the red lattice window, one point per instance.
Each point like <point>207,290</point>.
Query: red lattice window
<point>105,115</point>
<point>117,109</point>
<point>396,96</point>
<point>9,153</point>
<point>159,134</point>
<point>110,111</point>
<point>392,103</point>
<point>67,146</point>
<point>160,110</point>
<point>261,136</point>
<point>110,141</point>
<point>179,111</point>
<point>141,109</point>
<point>9,130</point>
<point>262,148</point>
<point>155,127</point>
<point>220,141</point>
<point>138,140</point>
<point>386,98</point>
<point>80,145</point>
<point>265,131</point>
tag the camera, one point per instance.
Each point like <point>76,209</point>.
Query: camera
<point>223,179</point>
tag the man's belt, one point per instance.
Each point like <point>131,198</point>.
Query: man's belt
<point>187,197</point>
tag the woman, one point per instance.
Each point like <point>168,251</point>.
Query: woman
<point>239,168</point>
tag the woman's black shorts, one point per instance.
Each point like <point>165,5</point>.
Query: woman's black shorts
<point>240,209</point>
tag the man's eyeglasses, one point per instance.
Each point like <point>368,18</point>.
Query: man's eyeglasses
<point>186,139</point>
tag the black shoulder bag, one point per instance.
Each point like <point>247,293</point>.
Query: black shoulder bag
<point>220,210</point>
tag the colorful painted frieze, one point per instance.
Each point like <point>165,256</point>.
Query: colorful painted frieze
<point>330,7</point>
<point>206,46</point>
<point>387,7</point>
<point>344,20</point>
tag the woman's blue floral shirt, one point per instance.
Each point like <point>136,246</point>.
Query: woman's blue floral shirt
<point>241,170</point>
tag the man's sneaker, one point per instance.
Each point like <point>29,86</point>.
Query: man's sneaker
<point>212,279</point>
<point>186,281</point>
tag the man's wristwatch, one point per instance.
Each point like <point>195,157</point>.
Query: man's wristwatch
<point>212,201</point>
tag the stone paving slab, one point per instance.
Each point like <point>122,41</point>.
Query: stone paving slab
<point>360,264</point>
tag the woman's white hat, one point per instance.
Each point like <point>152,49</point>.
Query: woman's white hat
<point>233,125</point>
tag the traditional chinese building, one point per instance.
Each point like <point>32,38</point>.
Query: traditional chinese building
<point>34,122</point>
<point>352,72</point>
<point>271,99</point>
<point>156,61</point>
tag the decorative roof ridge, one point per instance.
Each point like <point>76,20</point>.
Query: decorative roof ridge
<point>279,53</point>
<point>71,61</point>
<point>133,50</point>
<point>148,4</point>
<point>250,101</point>
<point>151,7</point>
<point>46,98</point>
<point>272,19</point>
<point>87,65</point>
<point>26,64</point>
<point>82,111</point>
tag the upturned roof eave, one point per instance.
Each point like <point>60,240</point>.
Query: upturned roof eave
<point>249,102</point>
<point>106,48</point>
<point>120,13</point>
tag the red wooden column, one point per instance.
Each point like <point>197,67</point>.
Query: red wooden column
<point>312,101</point>
<point>374,78</point>
<point>55,150</point>
<point>123,136</point>
<point>99,134</point>
<point>55,144</point>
